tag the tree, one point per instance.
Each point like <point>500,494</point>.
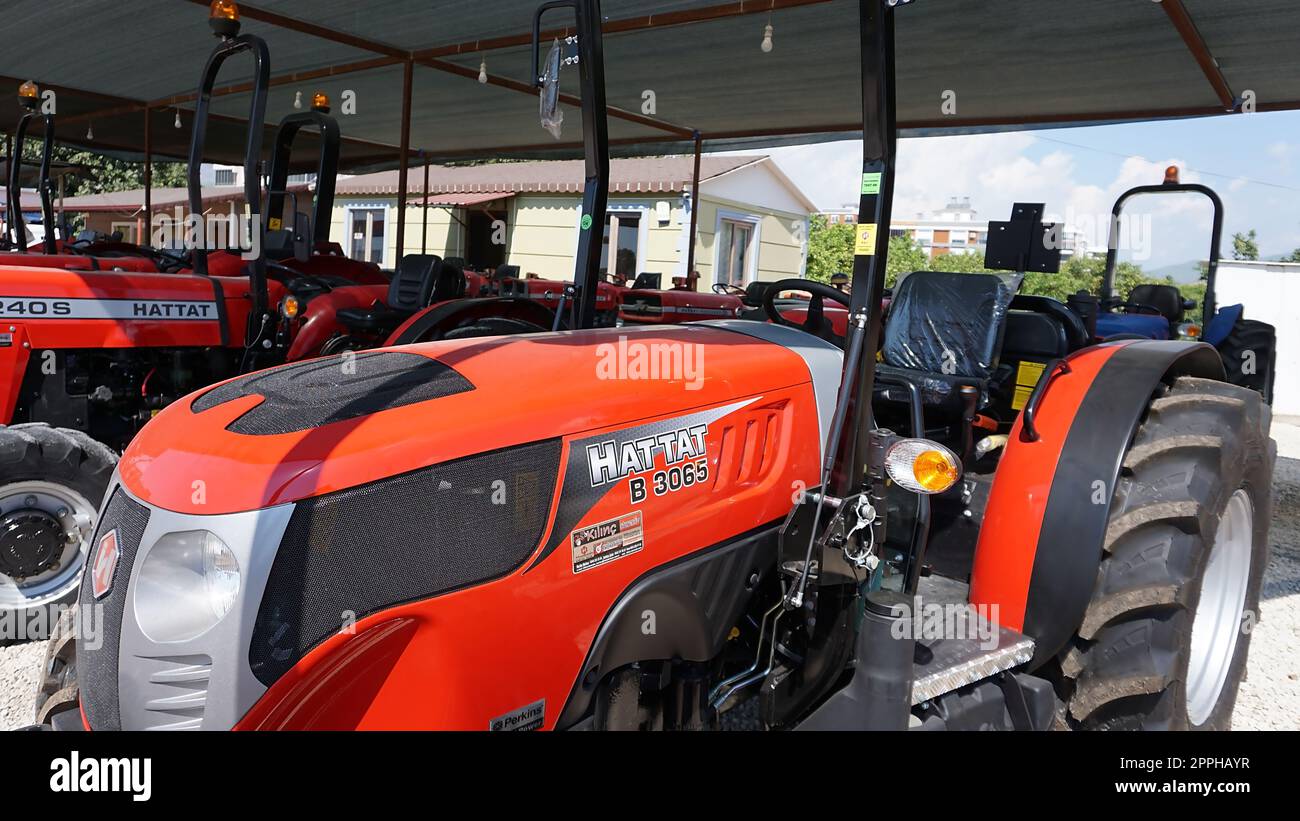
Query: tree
<point>1295,256</point>
<point>1244,246</point>
<point>830,249</point>
<point>106,175</point>
<point>905,256</point>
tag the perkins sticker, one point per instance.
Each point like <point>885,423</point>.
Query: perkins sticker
<point>525,718</point>
<point>603,543</point>
<point>864,244</point>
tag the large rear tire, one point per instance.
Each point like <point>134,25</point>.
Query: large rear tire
<point>1163,643</point>
<point>52,481</point>
<point>1249,355</point>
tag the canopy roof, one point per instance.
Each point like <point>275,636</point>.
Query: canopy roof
<point>1008,64</point>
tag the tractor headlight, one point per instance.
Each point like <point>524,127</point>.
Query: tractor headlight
<point>188,582</point>
<point>922,466</point>
<point>1189,330</point>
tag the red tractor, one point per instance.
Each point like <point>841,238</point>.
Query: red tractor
<point>92,345</point>
<point>766,536</point>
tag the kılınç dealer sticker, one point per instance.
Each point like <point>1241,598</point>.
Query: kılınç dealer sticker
<point>605,542</point>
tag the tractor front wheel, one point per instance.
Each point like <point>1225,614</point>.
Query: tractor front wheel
<point>51,483</point>
<point>1163,643</point>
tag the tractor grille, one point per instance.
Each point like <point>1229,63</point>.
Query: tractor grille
<point>97,665</point>
<point>352,553</point>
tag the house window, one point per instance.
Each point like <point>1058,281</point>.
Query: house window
<point>366,234</point>
<point>734,242</point>
<point>225,176</point>
<point>625,228</point>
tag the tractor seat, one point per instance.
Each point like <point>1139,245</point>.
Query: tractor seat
<point>1166,299</point>
<point>421,280</point>
<point>944,333</point>
<point>754,293</point>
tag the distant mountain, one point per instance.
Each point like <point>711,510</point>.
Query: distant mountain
<point>1180,272</point>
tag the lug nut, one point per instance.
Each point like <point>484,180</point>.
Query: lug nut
<point>30,501</point>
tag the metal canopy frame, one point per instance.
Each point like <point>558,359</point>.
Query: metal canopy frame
<point>668,135</point>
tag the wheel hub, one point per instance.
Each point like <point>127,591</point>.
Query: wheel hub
<point>1217,623</point>
<point>31,542</point>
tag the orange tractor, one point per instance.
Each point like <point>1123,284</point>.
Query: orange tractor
<point>584,549</point>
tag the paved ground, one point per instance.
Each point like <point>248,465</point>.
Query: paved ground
<point>1269,698</point>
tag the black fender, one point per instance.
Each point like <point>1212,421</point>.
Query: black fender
<point>693,604</point>
<point>1077,510</point>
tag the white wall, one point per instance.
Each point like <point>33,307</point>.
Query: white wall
<point>1270,293</point>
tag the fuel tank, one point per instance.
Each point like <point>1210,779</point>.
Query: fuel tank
<point>431,536</point>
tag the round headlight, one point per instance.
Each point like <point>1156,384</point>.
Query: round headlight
<point>188,582</point>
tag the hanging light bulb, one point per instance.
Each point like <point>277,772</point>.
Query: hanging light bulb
<point>177,122</point>
<point>482,71</point>
<point>90,131</point>
<point>297,100</point>
<point>767,37</point>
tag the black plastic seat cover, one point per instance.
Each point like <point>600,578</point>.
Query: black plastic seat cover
<point>946,323</point>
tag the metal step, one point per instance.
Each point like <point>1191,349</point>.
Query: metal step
<point>968,647</point>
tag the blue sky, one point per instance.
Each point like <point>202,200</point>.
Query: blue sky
<point>1251,160</point>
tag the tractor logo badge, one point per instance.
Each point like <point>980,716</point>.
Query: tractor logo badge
<point>104,564</point>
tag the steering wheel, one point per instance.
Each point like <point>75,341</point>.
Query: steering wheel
<point>1139,307</point>
<point>727,289</point>
<point>287,275</point>
<point>819,292</point>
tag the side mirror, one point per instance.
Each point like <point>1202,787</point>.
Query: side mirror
<point>1189,304</point>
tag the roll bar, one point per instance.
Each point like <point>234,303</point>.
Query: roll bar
<point>1216,236</point>
<point>16,235</point>
<point>261,324</point>
<point>327,169</point>
<point>595,143</point>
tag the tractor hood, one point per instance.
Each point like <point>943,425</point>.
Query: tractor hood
<point>334,423</point>
<point>35,281</point>
<point>58,308</point>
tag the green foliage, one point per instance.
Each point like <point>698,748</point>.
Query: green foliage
<point>1244,245</point>
<point>1294,257</point>
<point>830,249</point>
<point>905,256</point>
<point>106,175</point>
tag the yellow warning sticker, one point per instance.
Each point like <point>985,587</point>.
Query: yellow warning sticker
<point>1027,376</point>
<point>865,243</point>
<point>274,224</point>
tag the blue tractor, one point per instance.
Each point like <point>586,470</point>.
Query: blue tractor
<point>1247,347</point>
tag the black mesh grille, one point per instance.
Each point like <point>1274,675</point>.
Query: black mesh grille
<point>97,651</point>
<point>398,540</point>
<point>333,389</point>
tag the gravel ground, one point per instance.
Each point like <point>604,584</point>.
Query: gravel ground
<point>1269,697</point>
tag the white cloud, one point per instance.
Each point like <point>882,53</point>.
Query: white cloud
<point>996,170</point>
